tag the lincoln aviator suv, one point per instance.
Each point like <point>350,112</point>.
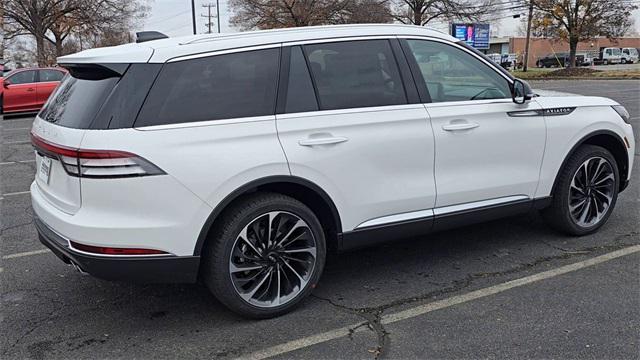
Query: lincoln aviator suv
<point>240,160</point>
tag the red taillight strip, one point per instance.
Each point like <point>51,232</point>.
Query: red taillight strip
<point>52,149</point>
<point>100,250</point>
<point>55,149</point>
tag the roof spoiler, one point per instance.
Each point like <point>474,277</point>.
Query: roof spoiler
<point>143,36</point>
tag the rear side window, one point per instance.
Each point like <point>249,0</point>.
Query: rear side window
<point>355,74</point>
<point>76,101</point>
<point>217,87</point>
<point>50,75</point>
<point>300,94</point>
<point>23,77</point>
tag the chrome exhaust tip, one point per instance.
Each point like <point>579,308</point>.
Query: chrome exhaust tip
<point>78,268</point>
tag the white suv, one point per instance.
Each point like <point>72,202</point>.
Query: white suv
<point>239,160</point>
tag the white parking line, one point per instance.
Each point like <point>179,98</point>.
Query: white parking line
<point>437,305</point>
<point>16,193</point>
<point>23,254</point>
<point>17,162</point>
<point>16,142</point>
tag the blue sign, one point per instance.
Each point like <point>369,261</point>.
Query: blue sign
<point>476,35</point>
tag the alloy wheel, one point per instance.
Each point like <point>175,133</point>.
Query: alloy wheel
<point>272,259</point>
<point>591,191</point>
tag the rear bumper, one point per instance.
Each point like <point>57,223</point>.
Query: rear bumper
<point>145,269</point>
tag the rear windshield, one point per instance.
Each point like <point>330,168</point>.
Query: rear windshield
<point>76,102</point>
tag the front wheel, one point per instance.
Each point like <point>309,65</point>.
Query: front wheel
<point>265,256</point>
<point>586,192</point>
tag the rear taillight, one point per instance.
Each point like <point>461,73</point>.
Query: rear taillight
<point>96,163</point>
<point>101,250</point>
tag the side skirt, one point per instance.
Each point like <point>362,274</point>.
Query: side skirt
<point>378,234</point>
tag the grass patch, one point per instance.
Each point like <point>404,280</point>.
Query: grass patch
<point>576,73</point>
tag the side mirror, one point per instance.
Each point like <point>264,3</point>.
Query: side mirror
<point>6,84</point>
<point>521,92</point>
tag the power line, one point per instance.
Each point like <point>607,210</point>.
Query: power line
<point>210,16</point>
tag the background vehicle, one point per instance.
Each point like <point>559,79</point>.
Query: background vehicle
<point>560,59</point>
<point>272,147</point>
<point>608,55</point>
<point>587,58</point>
<point>28,89</point>
<point>629,56</point>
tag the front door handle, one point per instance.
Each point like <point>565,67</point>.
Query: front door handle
<point>460,126</point>
<point>31,89</point>
<point>322,141</point>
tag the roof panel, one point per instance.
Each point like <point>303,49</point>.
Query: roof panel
<point>159,51</point>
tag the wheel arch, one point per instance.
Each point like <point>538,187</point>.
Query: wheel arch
<point>608,140</point>
<point>299,188</point>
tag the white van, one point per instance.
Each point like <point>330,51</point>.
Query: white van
<point>629,55</point>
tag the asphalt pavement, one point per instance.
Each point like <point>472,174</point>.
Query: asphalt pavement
<point>506,289</point>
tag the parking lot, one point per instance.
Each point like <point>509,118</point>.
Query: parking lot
<point>507,289</point>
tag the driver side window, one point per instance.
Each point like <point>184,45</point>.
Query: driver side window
<point>451,74</point>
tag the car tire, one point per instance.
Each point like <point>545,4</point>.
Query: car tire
<point>589,180</point>
<point>281,272</point>
<point>1,105</point>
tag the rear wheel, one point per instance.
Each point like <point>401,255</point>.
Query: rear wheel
<point>586,192</point>
<point>1,105</point>
<point>265,256</point>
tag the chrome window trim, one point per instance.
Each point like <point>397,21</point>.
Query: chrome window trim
<point>242,120</point>
<point>338,39</point>
<point>468,102</point>
<point>443,210</point>
<point>349,111</point>
<point>488,63</point>
<point>225,51</point>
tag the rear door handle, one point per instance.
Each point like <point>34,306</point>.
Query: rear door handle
<point>322,141</point>
<point>460,126</point>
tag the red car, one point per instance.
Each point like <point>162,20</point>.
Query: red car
<point>28,89</point>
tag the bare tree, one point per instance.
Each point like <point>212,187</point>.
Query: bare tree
<point>421,12</point>
<point>268,14</point>
<point>579,20</point>
<point>54,21</point>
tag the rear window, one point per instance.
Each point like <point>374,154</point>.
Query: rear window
<point>76,102</point>
<point>355,74</point>
<point>211,88</point>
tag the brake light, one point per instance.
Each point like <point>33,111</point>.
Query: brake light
<point>96,163</point>
<point>115,251</point>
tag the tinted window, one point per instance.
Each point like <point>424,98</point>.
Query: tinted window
<point>355,74</point>
<point>50,75</point>
<point>75,102</point>
<point>452,74</point>
<point>300,94</point>
<point>23,77</point>
<point>216,87</point>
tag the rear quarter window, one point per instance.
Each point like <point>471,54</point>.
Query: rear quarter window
<point>218,87</point>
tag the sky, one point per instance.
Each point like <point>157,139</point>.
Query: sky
<point>173,17</point>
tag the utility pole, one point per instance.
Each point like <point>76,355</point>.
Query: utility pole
<point>525,64</point>
<point>209,16</point>
<point>218,14</point>
<point>193,16</point>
